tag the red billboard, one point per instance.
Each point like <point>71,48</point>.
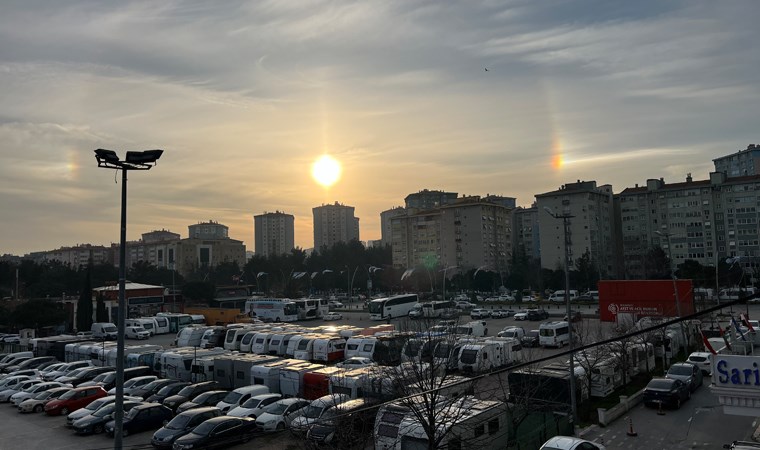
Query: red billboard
<point>644,298</point>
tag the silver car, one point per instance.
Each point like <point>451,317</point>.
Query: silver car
<point>688,373</point>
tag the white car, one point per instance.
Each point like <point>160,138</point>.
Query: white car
<point>33,390</point>
<point>465,305</point>
<point>703,360</point>
<point>136,333</point>
<point>254,406</point>
<point>357,362</point>
<point>521,315</point>
<point>480,313</point>
<point>5,395</point>
<point>333,316</point>
<point>37,403</point>
<point>334,304</point>
<point>570,443</point>
<point>279,415</point>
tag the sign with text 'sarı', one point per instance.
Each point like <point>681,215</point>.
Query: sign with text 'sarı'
<point>736,371</point>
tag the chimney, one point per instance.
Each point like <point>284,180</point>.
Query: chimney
<point>688,177</point>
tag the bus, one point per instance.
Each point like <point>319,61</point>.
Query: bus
<point>311,308</point>
<point>272,309</point>
<point>177,321</point>
<point>390,307</point>
<point>439,308</point>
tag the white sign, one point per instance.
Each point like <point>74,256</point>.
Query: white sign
<point>736,371</point>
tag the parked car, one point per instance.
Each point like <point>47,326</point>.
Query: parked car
<point>167,391</point>
<point>480,313</point>
<point>132,385</point>
<point>37,403</point>
<point>31,391</point>
<point>502,313</point>
<point>334,304</point>
<point>537,314</point>
<point>152,387</point>
<point>147,416</point>
<point>686,372</point>
<point>333,316</point>
<point>742,445</point>
<point>666,391</point>
<point>703,360</point>
<point>94,406</point>
<point>357,362</point>
<point>280,414</point>
<point>570,443</point>
<point>83,375</point>
<point>6,394</point>
<point>218,432</point>
<point>186,393</point>
<point>64,369</point>
<point>136,333</point>
<point>182,424</point>
<point>531,339</point>
<point>575,316</point>
<point>240,395</point>
<point>254,406</point>
<point>73,400</point>
<point>95,422</point>
<point>208,398</point>
<point>465,305</point>
<point>521,315</point>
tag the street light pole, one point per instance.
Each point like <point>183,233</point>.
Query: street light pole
<point>134,161</point>
<point>667,235</point>
<point>566,228</point>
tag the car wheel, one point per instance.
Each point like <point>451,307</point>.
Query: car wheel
<point>38,408</point>
<point>97,429</point>
<point>64,411</point>
<point>277,319</point>
<point>678,403</point>
<point>280,426</point>
<point>125,432</point>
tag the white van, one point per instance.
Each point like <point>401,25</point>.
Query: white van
<point>553,334</point>
<point>148,324</point>
<point>104,330</point>
<point>559,296</point>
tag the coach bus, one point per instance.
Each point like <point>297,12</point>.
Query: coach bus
<point>272,309</point>
<point>390,307</point>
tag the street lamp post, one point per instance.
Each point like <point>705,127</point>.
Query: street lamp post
<point>566,227</point>
<point>444,279</point>
<point>667,235</point>
<point>143,160</point>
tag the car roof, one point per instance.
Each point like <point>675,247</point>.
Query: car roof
<point>563,442</point>
<point>194,411</point>
<point>220,419</point>
<point>290,400</point>
<point>149,405</point>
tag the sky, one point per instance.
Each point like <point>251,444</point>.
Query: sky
<point>244,96</point>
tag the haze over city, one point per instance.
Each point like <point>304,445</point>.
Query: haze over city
<point>244,97</point>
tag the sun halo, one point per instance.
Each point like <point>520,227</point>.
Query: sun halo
<point>326,170</point>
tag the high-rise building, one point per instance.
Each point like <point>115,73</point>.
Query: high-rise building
<point>274,233</point>
<point>334,223</point>
<point>385,223</point>
<point>743,163</point>
<point>426,199</point>
<point>591,227</point>
<point>525,232</point>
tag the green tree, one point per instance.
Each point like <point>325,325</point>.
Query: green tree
<point>37,314</point>
<point>101,314</point>
<point>84,304</point>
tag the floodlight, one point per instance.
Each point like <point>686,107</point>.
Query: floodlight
<point>144,157</point>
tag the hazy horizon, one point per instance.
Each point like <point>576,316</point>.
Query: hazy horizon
<point>245,96</point>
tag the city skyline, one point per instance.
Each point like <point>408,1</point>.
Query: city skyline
<point>243,98</point>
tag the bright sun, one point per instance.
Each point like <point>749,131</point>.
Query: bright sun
<point>326,170</point>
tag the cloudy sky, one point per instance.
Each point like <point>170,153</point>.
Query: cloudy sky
<point>244,96</point>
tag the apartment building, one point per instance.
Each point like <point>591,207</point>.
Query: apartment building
<point>385,223</point>
<point>591,225</point>
<point>274,233</point>
<point>75,256</point>
<point>743,163</point>
<point>427,199</point>
<point>525,232</point>
<point>334,223</point>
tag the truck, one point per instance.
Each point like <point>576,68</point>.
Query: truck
<point>219,316</point>
<point>477,328</point>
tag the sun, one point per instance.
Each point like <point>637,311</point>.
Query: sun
<point>326,170</point>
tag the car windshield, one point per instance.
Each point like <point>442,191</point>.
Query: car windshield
<point>232,397</point>
<point>251,403</point>
<point>104,411</point>
<point>109,329</point>
<point>697,358</point>
<point>179,422</point>
<point>276,408</point>
<point>132,413</point>
<point>43,395</point>
<point>680,370</point>
<point>205,428</point>
<point>166,390</point>
<point>153,384</point>
<point>101,377</point>
<point>69,395</point>
<point>314,412</point>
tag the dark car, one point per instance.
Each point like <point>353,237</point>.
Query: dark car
<point>686,372</point>
<point>108,380</point>
<point>347,425</point>
<point>209,398</point>
<point>152,387</point>
<point>147,416</point>
<point>39,362</point>
<point>190,391</point>
<point>531,339</point>
<point>218,432</point>
<point>182,424</point>
<point>537,314</point>
<point>94,423</point>
<point>575,316</point>
<point>85,375</point>
<point>667,392</point>
<point>167,391</point>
